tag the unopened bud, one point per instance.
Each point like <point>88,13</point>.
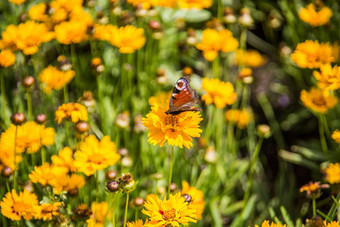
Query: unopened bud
<point>245,18</point>
<point>40,118</point>
<point>263,130</point>
<point>127,182</point>
<point>173,187</point>
<point>28,82</point>
<point>155,25</point>
<point>73,192</point>
<point>112,186</point>
<point>83,210</point>
<point>82,127</point>
<point>139,201</point>
<point>111,174</point>
<point>6,171</point>
<point>18,118</point>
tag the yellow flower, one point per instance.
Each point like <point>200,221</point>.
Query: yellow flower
<point>240,117</point>
<point>177,130</point>
<point>313,17</point>
<point>333,173</point>
<point>218,92</point>
<point>30,137</point>
<point>329,78</point>
<point>197,200</point>
<point>95,155</point>
<point>71,111</point>
<point>26,36</point>
<point>173,211</point>
<point>67,183</point>
<point>266,224</point>
<point>14,206</point>
<point>332,224</point>
<point>336,136</point>
<point>249,58</point>
<point>69,32</point>
<point>194,4</point>
<point>214,41</point>
<point>312,54</point>
<point>46,211</point>
<point>100,211</point>
<point>38,12</point>
<point>161,99</point>
<point>17,2</point>
<point>313,188</point>
<point>127,39</point>
<point>7,58</point>
<point>52,78</point>
<point>317,100</point>
<point>61,9</point>
<point>103,31</point>
<point>145,4</point>
<point>138,223</point>
<point>46,173</point>
<point>64,159</point>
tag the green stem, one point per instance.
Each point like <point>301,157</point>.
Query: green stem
<point>29,105</point>
<point>75,65</point>
<point>126,208</point>
<point>314,207</point>
<point>216,67</point>
<point>43,155</point>
<point>68,133</point>
<point>322,136</point>
<point>171,164</point>
<point>219,10</point>
<point>101,104</point>
<point>65,94</point>
<point>3,99</point>
<point>15,159</point>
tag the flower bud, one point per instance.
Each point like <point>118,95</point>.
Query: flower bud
<point>88,101</point>
<point>28,82</point>
<point>6,171</point>
<point>229,16</point>
<point>263,130</point>
<point>210,155</point>
<point>123,119</point>
<point>112,186</point>
<point>173,187</point>
<point>97,66</point>
<point>123,151</point>
<point>63,63</point>
<point>73,192</point>
<point>161,77</point>
<point>316,221</point>
<point>157,176</point>
<point>246,75</point>
<point>187,71</point>
<point>83,211</point>
<point>187,198</point>
<point>245,18</point>
<point>82,127</point>
<point>28,186</point>
<point>155,25</point>
<point>139,201</point>
<point>18,118</point>
<point>111,174</point>
<point>138,127</point>
<point>127,182</point>
<point>127,161</point>
<point>40,119</point>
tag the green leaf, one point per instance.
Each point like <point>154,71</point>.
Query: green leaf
<point>286,217</point>
<point>298,159</point>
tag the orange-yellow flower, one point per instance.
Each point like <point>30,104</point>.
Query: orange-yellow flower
<point>38,12</point>
<point>69,32</point>
<point>249,58</point>
<point>64,159</point>
<point>312,54</point>
<point>333,173</point>
<point>239,117</point>
<point>336,136</point>
<point>46,173</point>
<point>173,211</point>
<point>17,2</point>
<point>317,100</point>
<point>315,17</point>
<point>197,199</point>
<point>266,224</point>
<point>54,79</point>
<point>71,111</point>
<point>14,206</point>
<point>218,92</point>
<point>67,183</point>
<point>194,4</point>
<point>7,58</point>
<point>331,224</point>
<point>46,211</point>
<point>161,99</point>
<point>177,130</point>
<point>329,78</point>
<point>26,36</point>
<point>100,211</point>
<point>95,155</point>
<point>128,39</point>
<point>214,41</point>
<point>313,188</point>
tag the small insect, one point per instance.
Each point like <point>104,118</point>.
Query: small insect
<point>183,97</point>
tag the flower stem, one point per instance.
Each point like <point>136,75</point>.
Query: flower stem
<point>15,158</point>
<point>68,134</point>
<point>216,67</point>
<point>3,99</point>
<point>314,207</point>
<point>65,94</point>
<point>171,164</point>
<point>322,136</point>
<point>126,208</point>
<point>29,105</point>
<point>101,104</point>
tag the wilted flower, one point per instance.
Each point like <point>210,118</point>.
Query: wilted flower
<point>218,92</point>
<point>315,17</point>
<point>312,54</point>
<point>7,58</point>
<point>214,41</point>
<point>54,79</point>
<point>100,211</point>
<point>174,211</point>
<point>336,136</point>
<point>177,130</point>
<point>249,58</point>
<point>317,100</point>
<point>27,37</point>
<point>71,111</point>
<point>189,4</point>
<point>197,200</point>
<point>329,78</point>
<point>333,173</point>
<point>88,101</point>
<point>14,206</point>
<point>313,189</point>
<point>95,155</point>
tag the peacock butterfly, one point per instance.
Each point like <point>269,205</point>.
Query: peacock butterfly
<point>183,97</point>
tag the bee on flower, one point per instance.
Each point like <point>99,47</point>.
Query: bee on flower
<point>197,200</point>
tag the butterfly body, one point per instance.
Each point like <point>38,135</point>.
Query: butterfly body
<point>183,97</point>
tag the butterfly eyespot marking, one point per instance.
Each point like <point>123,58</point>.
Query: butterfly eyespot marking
<point>180,85</point>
